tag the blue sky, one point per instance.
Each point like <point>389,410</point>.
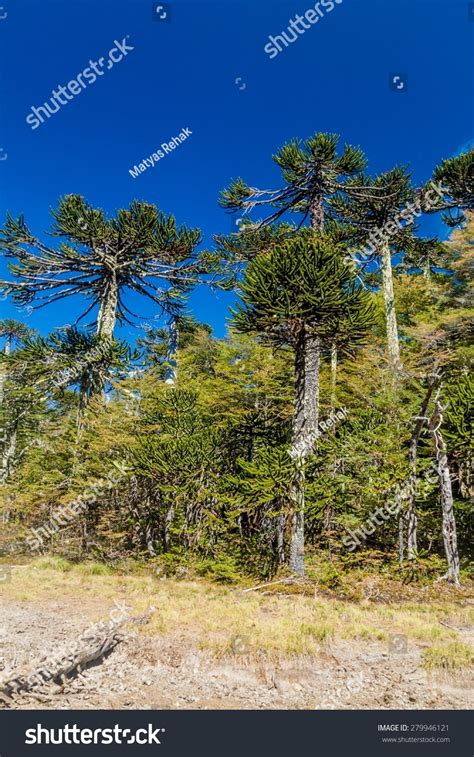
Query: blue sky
<point>182,73</point>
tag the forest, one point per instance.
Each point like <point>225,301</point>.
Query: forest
<point>330,430</point>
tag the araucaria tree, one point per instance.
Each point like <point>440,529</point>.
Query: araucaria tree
<point>13,333</point>
<point>140,250</point>
<point>301,289</point>
<point>222,455</point>
<point>456,178</point>
<point>312,171</point>
<point>380,209</point>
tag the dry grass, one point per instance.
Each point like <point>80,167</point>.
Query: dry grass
<point>214,615</point>
<point>455,656</point>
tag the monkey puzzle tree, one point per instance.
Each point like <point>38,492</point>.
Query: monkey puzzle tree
<point>252,239</point>
<point>140,250</point>
<point>449,530</point>
<point>459,432</point>
<point>11,407</point>
<point>161,345</point>
<point>14,332</point>
<point>312,171</point>
<point>69,357</point>
<point>20,404</point>
<point>425,254</point>
<point>455,178</point>
<point>377,206</point>
<point>302,288</point>
<point>41,370</point>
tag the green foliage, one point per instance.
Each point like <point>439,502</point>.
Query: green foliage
<point>193,477</point>
<point>456,176</point>
<point>311,169</point>
<point>305,281</point>
<point>140,249</point>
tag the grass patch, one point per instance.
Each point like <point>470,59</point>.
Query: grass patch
<point>451,657</point>
<point>318,631</point>
<point>212,614</point>
<point>93,569</point>
<point>50,562</point>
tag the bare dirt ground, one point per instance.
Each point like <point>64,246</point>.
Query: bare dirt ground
<point>165,667</point>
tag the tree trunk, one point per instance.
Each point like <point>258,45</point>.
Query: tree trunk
<point>412,524</point>
<point>401,537</point>
<point>316,212</point>
<point>390,313</point>
<point>171,371</point>
<point>427,272</point>
<point>446,495</point>
<point>312,346</point>
<point>412,520</point>
<point>8,454</point>
<point>8,437</point>
<point>306,411</point>
<point>108,309</point>
<point>149,538</point>
<point>333,376</point>
<point>3,371</point>
<point>280,538</point>
<point>296,561</point>
<point>299,440</point>
<point>312,349</point>
<point>168,521</point>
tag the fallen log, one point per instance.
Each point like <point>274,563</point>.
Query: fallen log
<point>93,648</point>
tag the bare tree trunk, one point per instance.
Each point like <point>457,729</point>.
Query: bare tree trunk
<point>307,361</point>
<point>296,557</point>
<point>3,370</point>
<point>401,537</point>
<point>168,521</point>
<point>299,452</point>
<point>280,538</point>
<point>8,437</point>
<point>8,454</point>
<point>412,519</point>
<point>149,540</point>
<point>3,430</point>
<point>296,560</point>
<point>312,346</point>
<point>390,313</point>
<point>333,376</point>
<point>108,309</point>
<point>311,385</point>
<point>427,272</point>
<point>171,371</point>
<point>412,525</point>
<point>446,494</point>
